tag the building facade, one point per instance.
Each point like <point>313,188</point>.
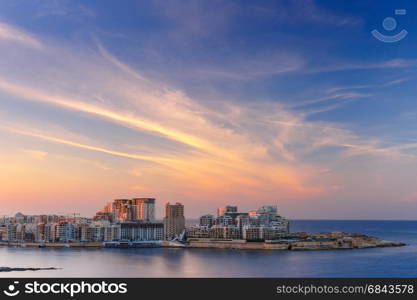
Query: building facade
<point>174,221</point>
<point>144,209</point>
<point>141,231</point>
<point>127,210</point>
<point>221,211</point>
<point>257,225</point>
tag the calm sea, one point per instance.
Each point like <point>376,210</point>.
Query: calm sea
<point>158,262</point>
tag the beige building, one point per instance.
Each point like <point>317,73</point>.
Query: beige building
<point>11,232</point>
<point>174,221</point>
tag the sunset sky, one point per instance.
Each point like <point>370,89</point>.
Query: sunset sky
<point>292,103</point>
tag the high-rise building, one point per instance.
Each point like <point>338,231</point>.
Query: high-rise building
<point>11,232</point>
<point>207,220</point>
<point>224,220</point>
<point>122,209</point>
<point>226,209</point>
<point>126,210</point>
<point>268,209</point>
<point>66,232</point>
<point>40,232</point>
<point>174,221</point>
<point>144,209</point>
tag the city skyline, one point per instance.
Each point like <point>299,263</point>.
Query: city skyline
<point>132,223</point>
<point>208,103</point>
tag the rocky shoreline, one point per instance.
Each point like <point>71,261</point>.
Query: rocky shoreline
<point>300,241</point>
<point>294,242</point>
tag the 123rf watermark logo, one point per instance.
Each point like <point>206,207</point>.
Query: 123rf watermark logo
<point>390,24</point>
<point>72,289</point>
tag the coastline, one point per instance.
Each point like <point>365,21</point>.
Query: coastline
<point>302,241</point>
<point>201,262</point>
<point>295,242</point>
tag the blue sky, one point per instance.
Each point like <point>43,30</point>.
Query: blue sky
<point>209,103</point>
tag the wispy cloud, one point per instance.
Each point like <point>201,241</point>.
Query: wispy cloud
<point>398,63</point>
<point>310,11</point>
<point>13,34</point>
<point>260,65</point>
<point>36,154</point>
<point>77,105</point>
<point>333,97</point>
<point>179,118</point>
<point>367,86</point>
<point>76,145</point>
<point>62,8</point>
<point>259,150</point>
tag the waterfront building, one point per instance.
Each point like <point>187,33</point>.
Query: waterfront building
<point>66,232</point>
<point>252,233</point>
<point>104,216</point>
<point>20,218</point>
<point>207,221</point>
<point>11,232</point>
<point>262,233</point>
<point>134,231</point>
<point>144,209</point>
<point>53,219</point>
<point>174,221</point>
<point>198,232</point>
<point>94,233</point>
<point>122,210</point>
<point>108,208</point>
<point>3,232</point>
<point>246,220</point>
<point>127,210</point>
<point>226,209</point>
<point>112,233</point>
<point>20,231</point>
<point>273,233</point>
<point>225,232</point>
<point>234,215</point>
<point>134,223</point>
<point>268,209</point>
<point>51,232</point>
<point>223,220</point>
<point>83,233</point>
<point>260,225</point>
<point>40,232</point>
<point>99,232</point>
<point>131,220</point>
